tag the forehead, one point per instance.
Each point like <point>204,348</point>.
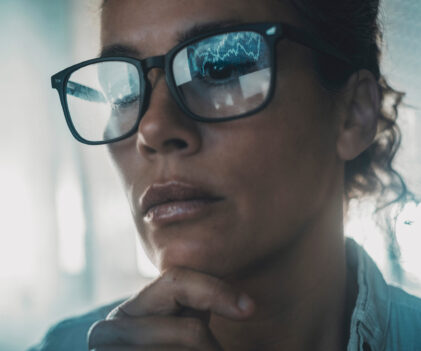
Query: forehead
<point>156,25</point>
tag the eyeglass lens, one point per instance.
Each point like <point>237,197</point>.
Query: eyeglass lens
<point>222,76</point>
<point>104,99</point>
<point>225,75</point>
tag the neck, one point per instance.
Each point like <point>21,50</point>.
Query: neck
<point>300,295</point>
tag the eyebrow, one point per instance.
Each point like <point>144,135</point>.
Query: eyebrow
<point>119,50</point>
<point>203,28</point>
<point>194,31</point>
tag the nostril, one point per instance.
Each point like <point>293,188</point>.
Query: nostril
<point>149,149</point>
<point>169,146</point>
<point>176,143</point>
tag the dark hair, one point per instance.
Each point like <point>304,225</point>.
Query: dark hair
<point>353,27</point>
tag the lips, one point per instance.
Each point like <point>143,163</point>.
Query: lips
<point>158,194</point>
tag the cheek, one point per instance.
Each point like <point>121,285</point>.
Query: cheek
<point>281,164</point>
<point>120,157</point>
<point>133,174</point>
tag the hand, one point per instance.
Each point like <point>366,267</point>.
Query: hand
<point>171,313</point>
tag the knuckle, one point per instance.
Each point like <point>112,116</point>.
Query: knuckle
<point>117,312</point>
<point>94,327</point>
<point>172,274</point>
<point>106,332</point>
<point>93,332</point>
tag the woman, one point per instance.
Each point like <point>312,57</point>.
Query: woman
<point>239,151</point>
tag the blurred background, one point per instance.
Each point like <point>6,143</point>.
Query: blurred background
<point>67,240</point>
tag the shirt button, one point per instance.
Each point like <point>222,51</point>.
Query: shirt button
<point>366,346</point>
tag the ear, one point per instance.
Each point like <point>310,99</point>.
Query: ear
<point>358,110</point>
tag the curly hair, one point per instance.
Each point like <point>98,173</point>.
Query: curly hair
<point>353,27</point>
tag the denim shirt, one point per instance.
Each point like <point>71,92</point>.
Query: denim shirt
<point>385,318</point>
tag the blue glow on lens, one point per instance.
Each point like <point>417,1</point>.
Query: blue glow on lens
<point>271,31</point>
<point>227,49</point>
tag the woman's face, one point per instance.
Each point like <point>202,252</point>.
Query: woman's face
<point>276,170</point>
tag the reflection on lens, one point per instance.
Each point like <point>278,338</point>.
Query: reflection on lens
<point>224,75</point>
<point>104,100</point>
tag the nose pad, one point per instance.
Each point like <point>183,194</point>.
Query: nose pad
<point>154,76</point>
<point>163,128</point>
<point>154,70</point>
<point>147,98</point>
<point>154,66</point>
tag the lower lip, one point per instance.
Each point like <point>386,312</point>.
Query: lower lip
<point>178,211</point>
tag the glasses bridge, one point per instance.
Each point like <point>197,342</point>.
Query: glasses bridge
<point>154,62</point>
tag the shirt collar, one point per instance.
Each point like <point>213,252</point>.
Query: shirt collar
<point>370,317</point>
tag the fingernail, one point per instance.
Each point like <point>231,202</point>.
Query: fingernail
<point>244,303</point>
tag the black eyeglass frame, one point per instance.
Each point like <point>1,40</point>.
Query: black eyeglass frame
<point>272,32</point>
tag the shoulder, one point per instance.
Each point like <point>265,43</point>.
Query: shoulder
<point>404,327</point>
<point>405,307</point>
<point>71,334</point>
<point>385,316</point>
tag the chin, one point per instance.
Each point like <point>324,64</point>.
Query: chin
<point>198,257</point>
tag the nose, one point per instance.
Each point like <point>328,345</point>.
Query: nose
<point>164,128</point>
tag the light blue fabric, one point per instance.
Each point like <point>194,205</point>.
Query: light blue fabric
<point>71,334</point>
<point>385,318</point>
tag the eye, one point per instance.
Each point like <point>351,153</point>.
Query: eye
<point>225,72</point>
<point>219,70</point>
<point>125,101</point>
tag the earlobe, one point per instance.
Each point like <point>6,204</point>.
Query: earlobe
<point>359,115</point>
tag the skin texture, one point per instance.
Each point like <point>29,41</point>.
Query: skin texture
<point>278,233</point>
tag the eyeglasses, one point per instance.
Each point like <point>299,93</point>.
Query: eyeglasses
<point>222,75</point>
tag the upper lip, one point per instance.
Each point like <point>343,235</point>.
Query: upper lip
<point>173,190</point>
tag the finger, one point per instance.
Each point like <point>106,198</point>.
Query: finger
<point>180,287</point>
<point>151,331</point>
<point>189,312</point>
<point>184,312</point>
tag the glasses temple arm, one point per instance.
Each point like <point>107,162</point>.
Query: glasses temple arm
<point>313,42</point>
